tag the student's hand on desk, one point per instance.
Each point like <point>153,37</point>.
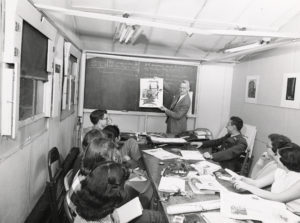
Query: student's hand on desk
<point>198,144</point>
<point>207,155</point>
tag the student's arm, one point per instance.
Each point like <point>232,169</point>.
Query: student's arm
<point>179,113</point>
<point>288,195</point>
<point>230,153</point>
<point>213,142</point>
<point>259,165</point>
<point>260,182</point>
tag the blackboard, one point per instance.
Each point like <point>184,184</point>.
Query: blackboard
<point>114,84</point>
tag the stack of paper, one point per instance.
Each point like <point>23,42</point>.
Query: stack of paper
<point>171,185</point>
<point>191,155</point>
<point>161,154</point>
<point>193,207</point>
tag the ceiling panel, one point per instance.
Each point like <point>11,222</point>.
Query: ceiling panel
<point>229,15</point>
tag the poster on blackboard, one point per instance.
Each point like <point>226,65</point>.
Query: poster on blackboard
<point>151,92</point>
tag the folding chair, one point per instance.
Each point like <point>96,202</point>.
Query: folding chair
<point>249,132</point>
<point>55,184</point>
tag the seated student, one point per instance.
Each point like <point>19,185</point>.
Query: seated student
<point>130,149</point>
<point>285,179</point>
<point>100,150</point>
<point>99,119</point>
<point>89,136</point>
<point>228,149</point>
<point>102,192</point>
<point>266,162</point>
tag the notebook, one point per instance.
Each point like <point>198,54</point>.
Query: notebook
<point>126,213</point>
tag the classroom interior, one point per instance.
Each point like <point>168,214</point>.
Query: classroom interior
<point>228,41</point>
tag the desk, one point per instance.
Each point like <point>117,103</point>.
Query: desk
<point>154,169</point>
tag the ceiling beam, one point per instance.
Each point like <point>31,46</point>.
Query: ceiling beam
<point>160,25</point>
<point>170,18</point>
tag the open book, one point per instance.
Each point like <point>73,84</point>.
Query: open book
<point>130,210</point>
<point>205,184</point>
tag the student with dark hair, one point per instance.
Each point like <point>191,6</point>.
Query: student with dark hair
<point>99,119</point>
<point>130,149</point>
<point>228,149</point>
<point>266,162</point>
<point>285,179</point>
<point>102,192</point>
<point>89,136</point>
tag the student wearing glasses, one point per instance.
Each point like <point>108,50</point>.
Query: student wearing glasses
<point>227,149</point>
<point>99,119</point>
<point>266,162</point>
<point>285,180</point>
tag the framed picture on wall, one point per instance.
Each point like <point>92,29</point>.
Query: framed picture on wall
<point>290,90</point>
<point>252,83</point>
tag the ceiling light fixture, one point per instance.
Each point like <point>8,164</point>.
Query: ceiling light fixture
<point>264,41</point>
<point>127,33</point>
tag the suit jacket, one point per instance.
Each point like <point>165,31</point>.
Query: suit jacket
<point>177,120</point>
<point>227,150</point>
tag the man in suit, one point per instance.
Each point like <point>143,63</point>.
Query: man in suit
<point>176,115</point>
<point>227,149</point>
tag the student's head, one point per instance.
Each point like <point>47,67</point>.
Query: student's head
<point>289,156</point>
<point>99,150</point>
<point>99,118</point>
<point>234,124</point>
<point>184,87</point>
<point>112,132</point>
<point>277,141</point>
<point>90,135</point>
<point>101,192</point>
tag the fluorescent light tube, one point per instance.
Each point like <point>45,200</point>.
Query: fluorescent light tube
<point>130,32</point>
<point>241,48</point>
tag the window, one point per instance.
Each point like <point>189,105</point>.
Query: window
<point>33,72</point>
<point>69,95</point>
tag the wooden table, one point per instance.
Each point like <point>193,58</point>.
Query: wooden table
<point>154,167</point>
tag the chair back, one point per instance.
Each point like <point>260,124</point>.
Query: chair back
<point>249,132</point>
<point>55,185</point>
<point>68,211</point>
<point>68,180</point>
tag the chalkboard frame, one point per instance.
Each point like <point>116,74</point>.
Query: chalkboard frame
<point>150,60</point>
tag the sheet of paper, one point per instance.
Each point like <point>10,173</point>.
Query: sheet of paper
<point>161,154</point>
<point>125,212</point>
<point>171,184</point>
<point>155,139</point>
<point>249,206</point>
<point>191,155</point>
